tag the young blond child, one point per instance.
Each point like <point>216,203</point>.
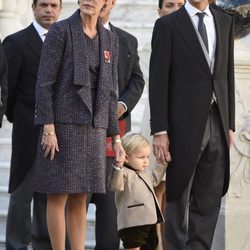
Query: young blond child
<point>137,206</point>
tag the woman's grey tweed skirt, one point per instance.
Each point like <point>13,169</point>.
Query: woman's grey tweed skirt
<point>78,167</point>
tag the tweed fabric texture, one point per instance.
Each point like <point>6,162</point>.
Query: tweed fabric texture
<point>92,55</point>
<point>80,164</point>
<point>78,167</point>
<point>63,88</point>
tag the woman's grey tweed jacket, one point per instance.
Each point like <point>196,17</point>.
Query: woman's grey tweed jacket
<point>63,93</point>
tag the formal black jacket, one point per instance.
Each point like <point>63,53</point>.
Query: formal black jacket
<point>3,84</point>
<point>130,78</point>
<point>23,51</point>
<point>180,90</point>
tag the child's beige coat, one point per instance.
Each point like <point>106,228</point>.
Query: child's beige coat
<point>135,199</point>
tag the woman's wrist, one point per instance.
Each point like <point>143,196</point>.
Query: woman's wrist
<point>49,129</point>
<point>116,139</point>
<point>48,133</point>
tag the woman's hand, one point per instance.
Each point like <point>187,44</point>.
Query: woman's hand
<point>49,141</point>
<point>119,152</point>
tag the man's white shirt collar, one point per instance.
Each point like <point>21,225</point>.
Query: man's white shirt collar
<point>40,30</point>
<point>192,11</point>
<point>107,25</point>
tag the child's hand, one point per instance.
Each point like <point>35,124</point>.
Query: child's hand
<point>116,165</point>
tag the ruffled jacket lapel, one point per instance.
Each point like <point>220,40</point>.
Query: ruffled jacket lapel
<point>81,65</point>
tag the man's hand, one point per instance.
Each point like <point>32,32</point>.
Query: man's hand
<point>161,148</point>
<point>120,109</point>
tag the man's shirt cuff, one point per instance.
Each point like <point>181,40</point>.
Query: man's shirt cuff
<point>161,133</point>
<point>125,106</point>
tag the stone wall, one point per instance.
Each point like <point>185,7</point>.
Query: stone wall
<point>238,199</point>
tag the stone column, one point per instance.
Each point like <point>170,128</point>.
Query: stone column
<point>238,199</point>
<point>232,230</point>
<point>68,8</point>
<point>10,13</point>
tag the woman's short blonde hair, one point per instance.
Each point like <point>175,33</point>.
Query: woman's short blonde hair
<point>133,141</point>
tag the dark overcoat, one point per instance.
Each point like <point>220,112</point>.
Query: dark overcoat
<point>130,77</point>
<point>181,86</point>
<point>23,51</point>
<point>3,84</point>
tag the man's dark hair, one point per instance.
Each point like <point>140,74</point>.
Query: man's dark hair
<point>160,4</point>
<point>35,2</point>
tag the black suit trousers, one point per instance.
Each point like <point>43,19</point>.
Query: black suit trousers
<point>20,228</point>
<point>191,219</point>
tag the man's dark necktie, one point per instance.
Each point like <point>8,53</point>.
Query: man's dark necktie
<point>202,29</point>
<point>44,35</point>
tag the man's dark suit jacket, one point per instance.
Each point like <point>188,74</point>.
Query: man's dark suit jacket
<point>3,84</point>
<point>130,77</point>
<point>23,51</point>
<point>181,86</point>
